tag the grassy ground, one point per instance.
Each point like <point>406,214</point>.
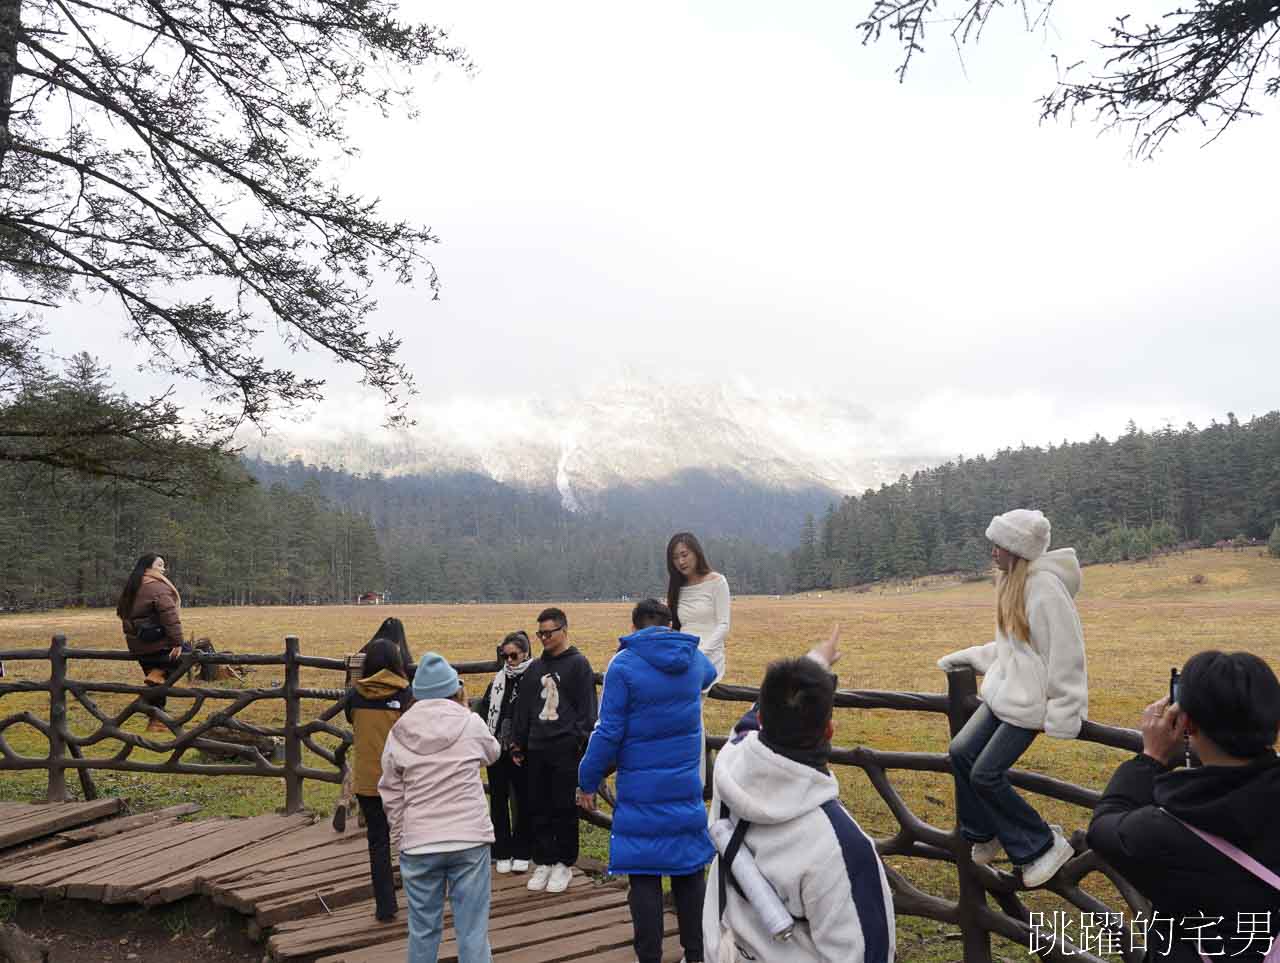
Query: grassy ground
<point>1139,620</point>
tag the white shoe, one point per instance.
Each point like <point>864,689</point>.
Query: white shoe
<point>984,854</point>
<point>1040,871</point>
<point>561,876</point>
<point>538,881</point>
<point>519,866</point>
<point>503,866</point>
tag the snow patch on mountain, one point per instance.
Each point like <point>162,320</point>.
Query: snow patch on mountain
<point>627,431</point>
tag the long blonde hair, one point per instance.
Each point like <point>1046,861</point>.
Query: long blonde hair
<point>1011,601</point>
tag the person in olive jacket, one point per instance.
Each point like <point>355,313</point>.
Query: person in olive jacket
<point>1199,842</point>
<point>373,705</point>
<point>150,611</point>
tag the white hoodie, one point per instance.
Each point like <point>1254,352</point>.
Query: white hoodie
<point>823,866</point>
<point>1040,684</point>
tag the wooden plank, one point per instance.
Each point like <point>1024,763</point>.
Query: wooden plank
<point>160,852</point>
<point>55,817</point>
<point>282,854</point>
<point>672,952</point>
<point>177,877</point>
<point>326,935</point>
<point>49,878</point>
<point>573,936</point>
<point>126,824</point>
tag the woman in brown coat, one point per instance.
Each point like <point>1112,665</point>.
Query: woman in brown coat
<point>150,611</point>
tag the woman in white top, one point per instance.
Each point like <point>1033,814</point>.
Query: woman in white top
<point>698,598</point>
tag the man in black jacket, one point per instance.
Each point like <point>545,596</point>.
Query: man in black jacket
<point>1148,825</point>
<point>554,718</point>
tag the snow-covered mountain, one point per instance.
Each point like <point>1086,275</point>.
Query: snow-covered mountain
<point>630,432</point>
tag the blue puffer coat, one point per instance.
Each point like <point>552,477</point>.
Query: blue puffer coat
<point>650,726</point>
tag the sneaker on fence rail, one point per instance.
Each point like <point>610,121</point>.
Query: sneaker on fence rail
<point>987,852</point>
<point>155,677</point>
<point>538,881</point>
<point>1040,871</point>
<point>560,878</point>
<point>502,866</point>
<point>519,866</point>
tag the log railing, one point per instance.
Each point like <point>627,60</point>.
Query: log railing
<point>915,838</point>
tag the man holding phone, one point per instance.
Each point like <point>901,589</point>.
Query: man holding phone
<point>1196,842</point>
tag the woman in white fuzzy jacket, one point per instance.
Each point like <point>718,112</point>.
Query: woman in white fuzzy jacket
<point>1035,680</point>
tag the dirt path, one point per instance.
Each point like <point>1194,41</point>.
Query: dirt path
<point>193,931</point>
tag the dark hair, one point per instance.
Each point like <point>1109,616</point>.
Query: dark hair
<point>124,607</point>
<point>796,698</point>
<point>382,654</point>
<point>518,638</point>
<point>650,612</point>
<point>554,615</point>
<point>676,581</point>
<point>392,630</point>
<point>1234,699</point>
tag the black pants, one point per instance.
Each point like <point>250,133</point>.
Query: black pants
<point>160,660</point>
<point>384,883</point>
<point>508,792</point>
<point>553,783</point>
<point>646,915</point>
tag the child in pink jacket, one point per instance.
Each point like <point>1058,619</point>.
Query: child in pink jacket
<point>435,805</point>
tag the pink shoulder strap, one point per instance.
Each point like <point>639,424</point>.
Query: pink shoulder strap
<point>1246,862</point>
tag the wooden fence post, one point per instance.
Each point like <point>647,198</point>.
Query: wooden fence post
<point>292,714</point>
<point>962,688</point>
<point>57,791</point>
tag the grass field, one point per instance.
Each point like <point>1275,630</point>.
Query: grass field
<point>1139,620</point>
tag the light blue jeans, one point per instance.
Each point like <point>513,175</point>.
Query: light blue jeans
<point>466,875</point>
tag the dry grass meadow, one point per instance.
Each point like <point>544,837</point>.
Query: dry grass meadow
<point>1139,620</point>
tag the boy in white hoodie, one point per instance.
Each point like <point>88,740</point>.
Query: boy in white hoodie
<point>773,774</point>
<point>435,804</point>
<point>1035,680</point>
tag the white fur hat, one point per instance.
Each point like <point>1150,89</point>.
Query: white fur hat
<point>1023,531</point>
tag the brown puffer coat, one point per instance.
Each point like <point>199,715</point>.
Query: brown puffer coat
<point>373,706</point>
<point>157,602</point>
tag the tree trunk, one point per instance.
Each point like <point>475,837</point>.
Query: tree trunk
<point>10,21</point>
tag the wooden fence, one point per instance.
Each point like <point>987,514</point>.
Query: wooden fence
<point>971,911</point>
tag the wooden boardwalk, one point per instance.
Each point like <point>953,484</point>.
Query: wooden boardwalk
<point>302,887</point>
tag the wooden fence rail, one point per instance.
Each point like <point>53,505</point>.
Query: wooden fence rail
<point>915,837</point>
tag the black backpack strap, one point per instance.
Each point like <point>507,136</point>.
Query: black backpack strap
<point>725,875</point>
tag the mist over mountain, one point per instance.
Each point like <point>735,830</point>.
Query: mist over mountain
<point>646,455</point>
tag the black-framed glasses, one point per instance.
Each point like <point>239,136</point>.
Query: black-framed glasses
<point>513,656</point>
<point>544,634</point>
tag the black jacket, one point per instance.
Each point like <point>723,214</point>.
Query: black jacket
<point>1184,877</point>
<point>560,712</point>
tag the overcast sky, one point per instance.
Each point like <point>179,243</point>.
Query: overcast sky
<point>700,191</point>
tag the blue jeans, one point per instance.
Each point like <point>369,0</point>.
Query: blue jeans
<point>467,875</point>
<point>981,755</point>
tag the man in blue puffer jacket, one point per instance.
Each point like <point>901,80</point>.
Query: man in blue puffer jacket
<point>650,727</point>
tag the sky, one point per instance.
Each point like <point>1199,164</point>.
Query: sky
<point>705,191</point>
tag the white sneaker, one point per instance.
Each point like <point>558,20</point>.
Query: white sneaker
<point>538,881</point>
<point>503,866</point>
<point>984,854</point>
<point>519,866</point>
<point>1040,871</point>
<point>561,876</point>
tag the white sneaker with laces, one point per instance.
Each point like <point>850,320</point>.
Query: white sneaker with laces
<point>984,854</point>
<point>1040,871</point>
<point>519,866</point>
<point>561,876</point>
<point>503,866</point>
<point>538,881</point>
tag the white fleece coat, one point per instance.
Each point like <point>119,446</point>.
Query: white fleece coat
<point>1041,683</point>
<point>824,868</point>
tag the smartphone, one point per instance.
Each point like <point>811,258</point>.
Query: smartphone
<point>1175,687</point>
